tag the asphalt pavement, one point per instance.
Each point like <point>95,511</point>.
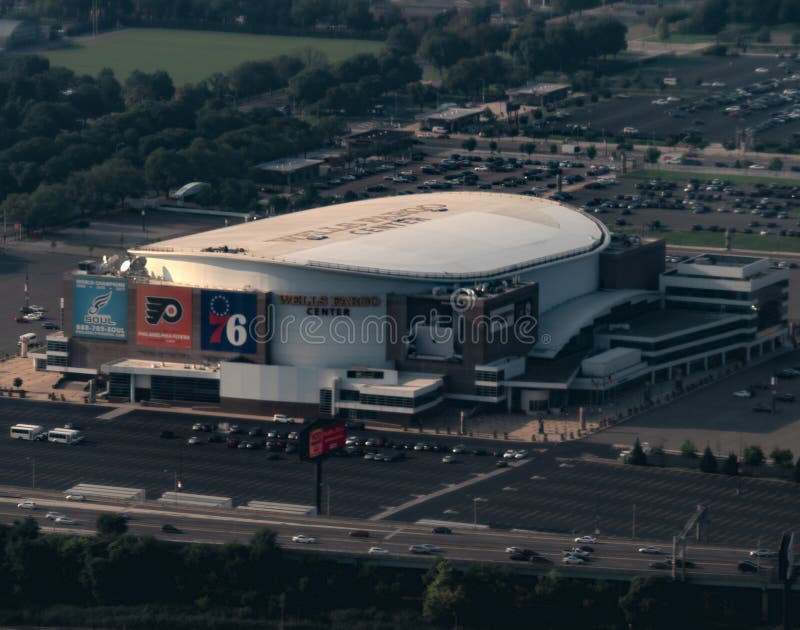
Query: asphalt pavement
<point>573,487</point>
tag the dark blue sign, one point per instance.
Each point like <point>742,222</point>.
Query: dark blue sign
<point>226,318</point>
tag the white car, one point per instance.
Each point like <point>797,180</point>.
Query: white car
<point>303,539</point>
<point>64,520</point>
<point>630,130</point>
<point>513,549</point>
<point>377,551</point>
<point>743,393</point>
<point>75,497</point>
<point>448,459</point>
<point>521,454</point>
<point>586,540</point>
<point>762,553</point>
<point>194,440</point>
<point>27,505</point>
<point>762,70</point>
<point>757,167</point>
<point>575,551</point>
<point>573,560</point>
<point>279,417</point>
<point>51,516</point>
<point>651,550</point>
<point>431,548</point>
<point>32,317</point>
<point>510,454</point>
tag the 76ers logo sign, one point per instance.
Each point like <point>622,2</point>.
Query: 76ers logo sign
<point>226,320</point>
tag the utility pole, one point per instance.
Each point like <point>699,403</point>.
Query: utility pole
<point>633,525</point>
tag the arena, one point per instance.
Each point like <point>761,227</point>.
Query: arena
<point>386,308</point>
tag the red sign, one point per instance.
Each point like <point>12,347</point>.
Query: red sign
<point>326,439</point>
<point>164,316</point>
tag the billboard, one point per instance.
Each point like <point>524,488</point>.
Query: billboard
<point>100,307</point>
<point>321,438</point>
<point>164,316</point>
<point>227,321</point>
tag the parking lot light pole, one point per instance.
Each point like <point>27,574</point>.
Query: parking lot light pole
<point>33,472</point>
<point>475,502</point>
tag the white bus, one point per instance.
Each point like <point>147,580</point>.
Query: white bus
<point>27,432</point>
<point>65,436</point>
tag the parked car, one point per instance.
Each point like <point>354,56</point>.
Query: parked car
<point>27,505</point>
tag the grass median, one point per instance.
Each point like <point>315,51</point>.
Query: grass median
<point>733,177</point>
<point>755,242</point>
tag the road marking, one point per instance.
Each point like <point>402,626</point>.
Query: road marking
<point>393,533</point>
<point>114,413</point>
<point>438,493</point>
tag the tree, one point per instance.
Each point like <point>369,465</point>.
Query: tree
<point>17,382</point>
<point>662,29</point>
<point>651,155</point>
<point>164,169</point>
<point>781,458</point>
<point>637,456</point>
<point>141,86</point>
<point>731,465</point>
<point>469,145</point>
<point>492,146</point>
<point>591,151</point>
<point>753,456</point>
<point>796,471</point>
<point>528,148</point>
<point>442,48</point>
<point>688,449</point>
<point>708,463</point>
<point>775,164</point>
<point>444,595</point>
<point>111,525</point>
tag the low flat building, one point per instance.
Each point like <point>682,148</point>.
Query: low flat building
<point>539,93</point>
<point>452,118</point>
<point>288,171</point>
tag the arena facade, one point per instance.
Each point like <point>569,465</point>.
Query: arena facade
<point>385,308</point>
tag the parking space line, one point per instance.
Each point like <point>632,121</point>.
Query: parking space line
<point>115,413</point>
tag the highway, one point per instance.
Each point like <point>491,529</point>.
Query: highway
<point>612,558</point>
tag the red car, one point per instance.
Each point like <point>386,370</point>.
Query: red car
<point>20,320</point>
<point>232,443</point>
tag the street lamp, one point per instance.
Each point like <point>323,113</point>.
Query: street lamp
<point>144,229</point>
<point>475,502</point>
<point>33,471</point>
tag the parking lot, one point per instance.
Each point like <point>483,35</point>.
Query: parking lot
<point>591,497</point>
<point>714,416</point>
<point>555,489</point>
<point>707,87</point>
<point>127,451</point>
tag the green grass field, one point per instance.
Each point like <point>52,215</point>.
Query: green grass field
<point>191,56</point>
<point>731,177</point>
<point>739,241</point>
